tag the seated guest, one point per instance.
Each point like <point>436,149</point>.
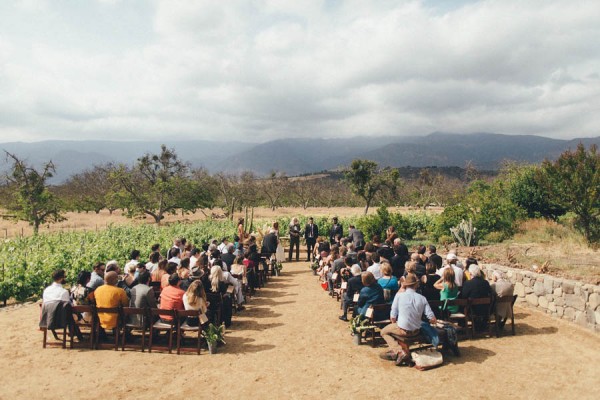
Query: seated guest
<point>428,281</point>
<point>171,269</point>
<point>354,286</point>
<point>407,310</point>
<point>56,303</point>
<point>56,291</point>
<point>80,293</point>
<point>362,261</point>
<point>129,278</point>
<point>112,265</point>
<point>159,271</point>
<point>475,288</point>
<point>269,244</point>
<point>97,277</point>
<point>142,295</point>
<point>375,268</point>
<point>451,262</point>
<point>251,260</point>
<point>175,255</point>
<point>109,296</point>
<point>227,257</point>
<point>218,286</point>
<point>171,297</point>
<point>184,274</point>
<point>448,289</point>
<point>388,282</point>
<point>153,261</point>
<point>469,261</point>
<point>434,257</point>
<point>134,260</point>
<point>195,299</point>
<point>502,288</point>
<point>370,294</point>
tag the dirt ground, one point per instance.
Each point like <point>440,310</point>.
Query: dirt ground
<point>289,343</point>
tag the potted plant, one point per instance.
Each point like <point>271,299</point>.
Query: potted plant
<point>358,325</point>
<point>314,266</point>
<point>213,335</point>
<point>278,266</point>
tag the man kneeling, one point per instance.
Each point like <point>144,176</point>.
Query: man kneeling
<point>407,309</point>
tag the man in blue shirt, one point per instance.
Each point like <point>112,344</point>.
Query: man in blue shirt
<point>407,310</point>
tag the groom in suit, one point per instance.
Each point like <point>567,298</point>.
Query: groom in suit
<point>311,232</point>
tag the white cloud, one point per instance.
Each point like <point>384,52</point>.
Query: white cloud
<point>269,69</point>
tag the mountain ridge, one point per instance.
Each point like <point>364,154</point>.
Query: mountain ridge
<point>297,156</point>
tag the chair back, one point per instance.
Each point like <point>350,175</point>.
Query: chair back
<point>134,316</point>
<point>161,313</point>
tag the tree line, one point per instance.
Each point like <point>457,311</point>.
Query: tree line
<point>161,184</point>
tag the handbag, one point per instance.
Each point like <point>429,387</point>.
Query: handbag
<point>427,359</point>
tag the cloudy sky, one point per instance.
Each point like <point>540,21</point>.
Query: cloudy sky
<point>264,69</point>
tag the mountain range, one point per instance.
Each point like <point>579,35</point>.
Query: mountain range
<point>296,156</point>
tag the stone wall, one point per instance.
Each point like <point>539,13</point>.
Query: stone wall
<point>569,300</point>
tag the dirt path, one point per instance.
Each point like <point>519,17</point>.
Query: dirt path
<point>290,344</point>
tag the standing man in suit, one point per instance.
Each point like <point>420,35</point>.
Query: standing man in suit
<point>336,230</point>
<point>356,237</point>
<point>311,232</point>
<point>294,232</point>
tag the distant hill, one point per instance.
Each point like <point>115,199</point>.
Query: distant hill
<point>297,156</point>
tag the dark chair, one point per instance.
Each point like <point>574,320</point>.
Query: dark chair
<point>156,287</point>
<point>216,306</point>
<point>183,326</point>
<point>379,316</point>
<point>134,319</point>
<point>98,329</point>
<point>484,317</point>
<point>504,300</point>
<point>461,317</point>
<point>60,322</point>
<point>162,325</point>
<point>88,326</point>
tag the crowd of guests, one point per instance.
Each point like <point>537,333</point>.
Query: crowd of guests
<point>385,272</point>
<point>212,278</point>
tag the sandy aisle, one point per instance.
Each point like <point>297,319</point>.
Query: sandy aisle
<point>290,344</point>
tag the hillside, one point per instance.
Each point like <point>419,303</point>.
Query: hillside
<point>297,156</point>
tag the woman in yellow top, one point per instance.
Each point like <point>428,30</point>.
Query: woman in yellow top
<point>109,296</point>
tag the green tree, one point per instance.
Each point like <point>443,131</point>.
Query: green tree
<point>574,182</point>
<point>367,180</point>
<point>159,184</point>
<point>527,190</point>
<point>31,198</point>
<point>90,190</point>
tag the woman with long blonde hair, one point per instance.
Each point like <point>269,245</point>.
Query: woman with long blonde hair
<point>195,299</point>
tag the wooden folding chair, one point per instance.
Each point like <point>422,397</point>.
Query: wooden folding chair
<point>375,311</point>
<point>216,306</point>
<point>505,300</point>
<point>460,318</point>
<point>162,325</point>
<point>89,326</point>
<point>156,287</point>
<point>134,319</point>
<point>62,331</point>
<point>107,310</point>
<point>183,326</point>
<point>483,301</point>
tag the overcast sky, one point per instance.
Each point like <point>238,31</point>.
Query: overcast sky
<point>259,70</point>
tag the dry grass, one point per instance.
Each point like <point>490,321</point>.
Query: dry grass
<point>539,242</point>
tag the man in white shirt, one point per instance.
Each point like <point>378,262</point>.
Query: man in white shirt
<point>175,256</point>
<point>451,261</point>
<point>407,309</point>
<point>223,246</point>
<point>56,292</point>
<point>134,260</point>
<point>375,269</point>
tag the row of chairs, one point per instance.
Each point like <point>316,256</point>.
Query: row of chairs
<point>145,321</point>
<point>463,320</point>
